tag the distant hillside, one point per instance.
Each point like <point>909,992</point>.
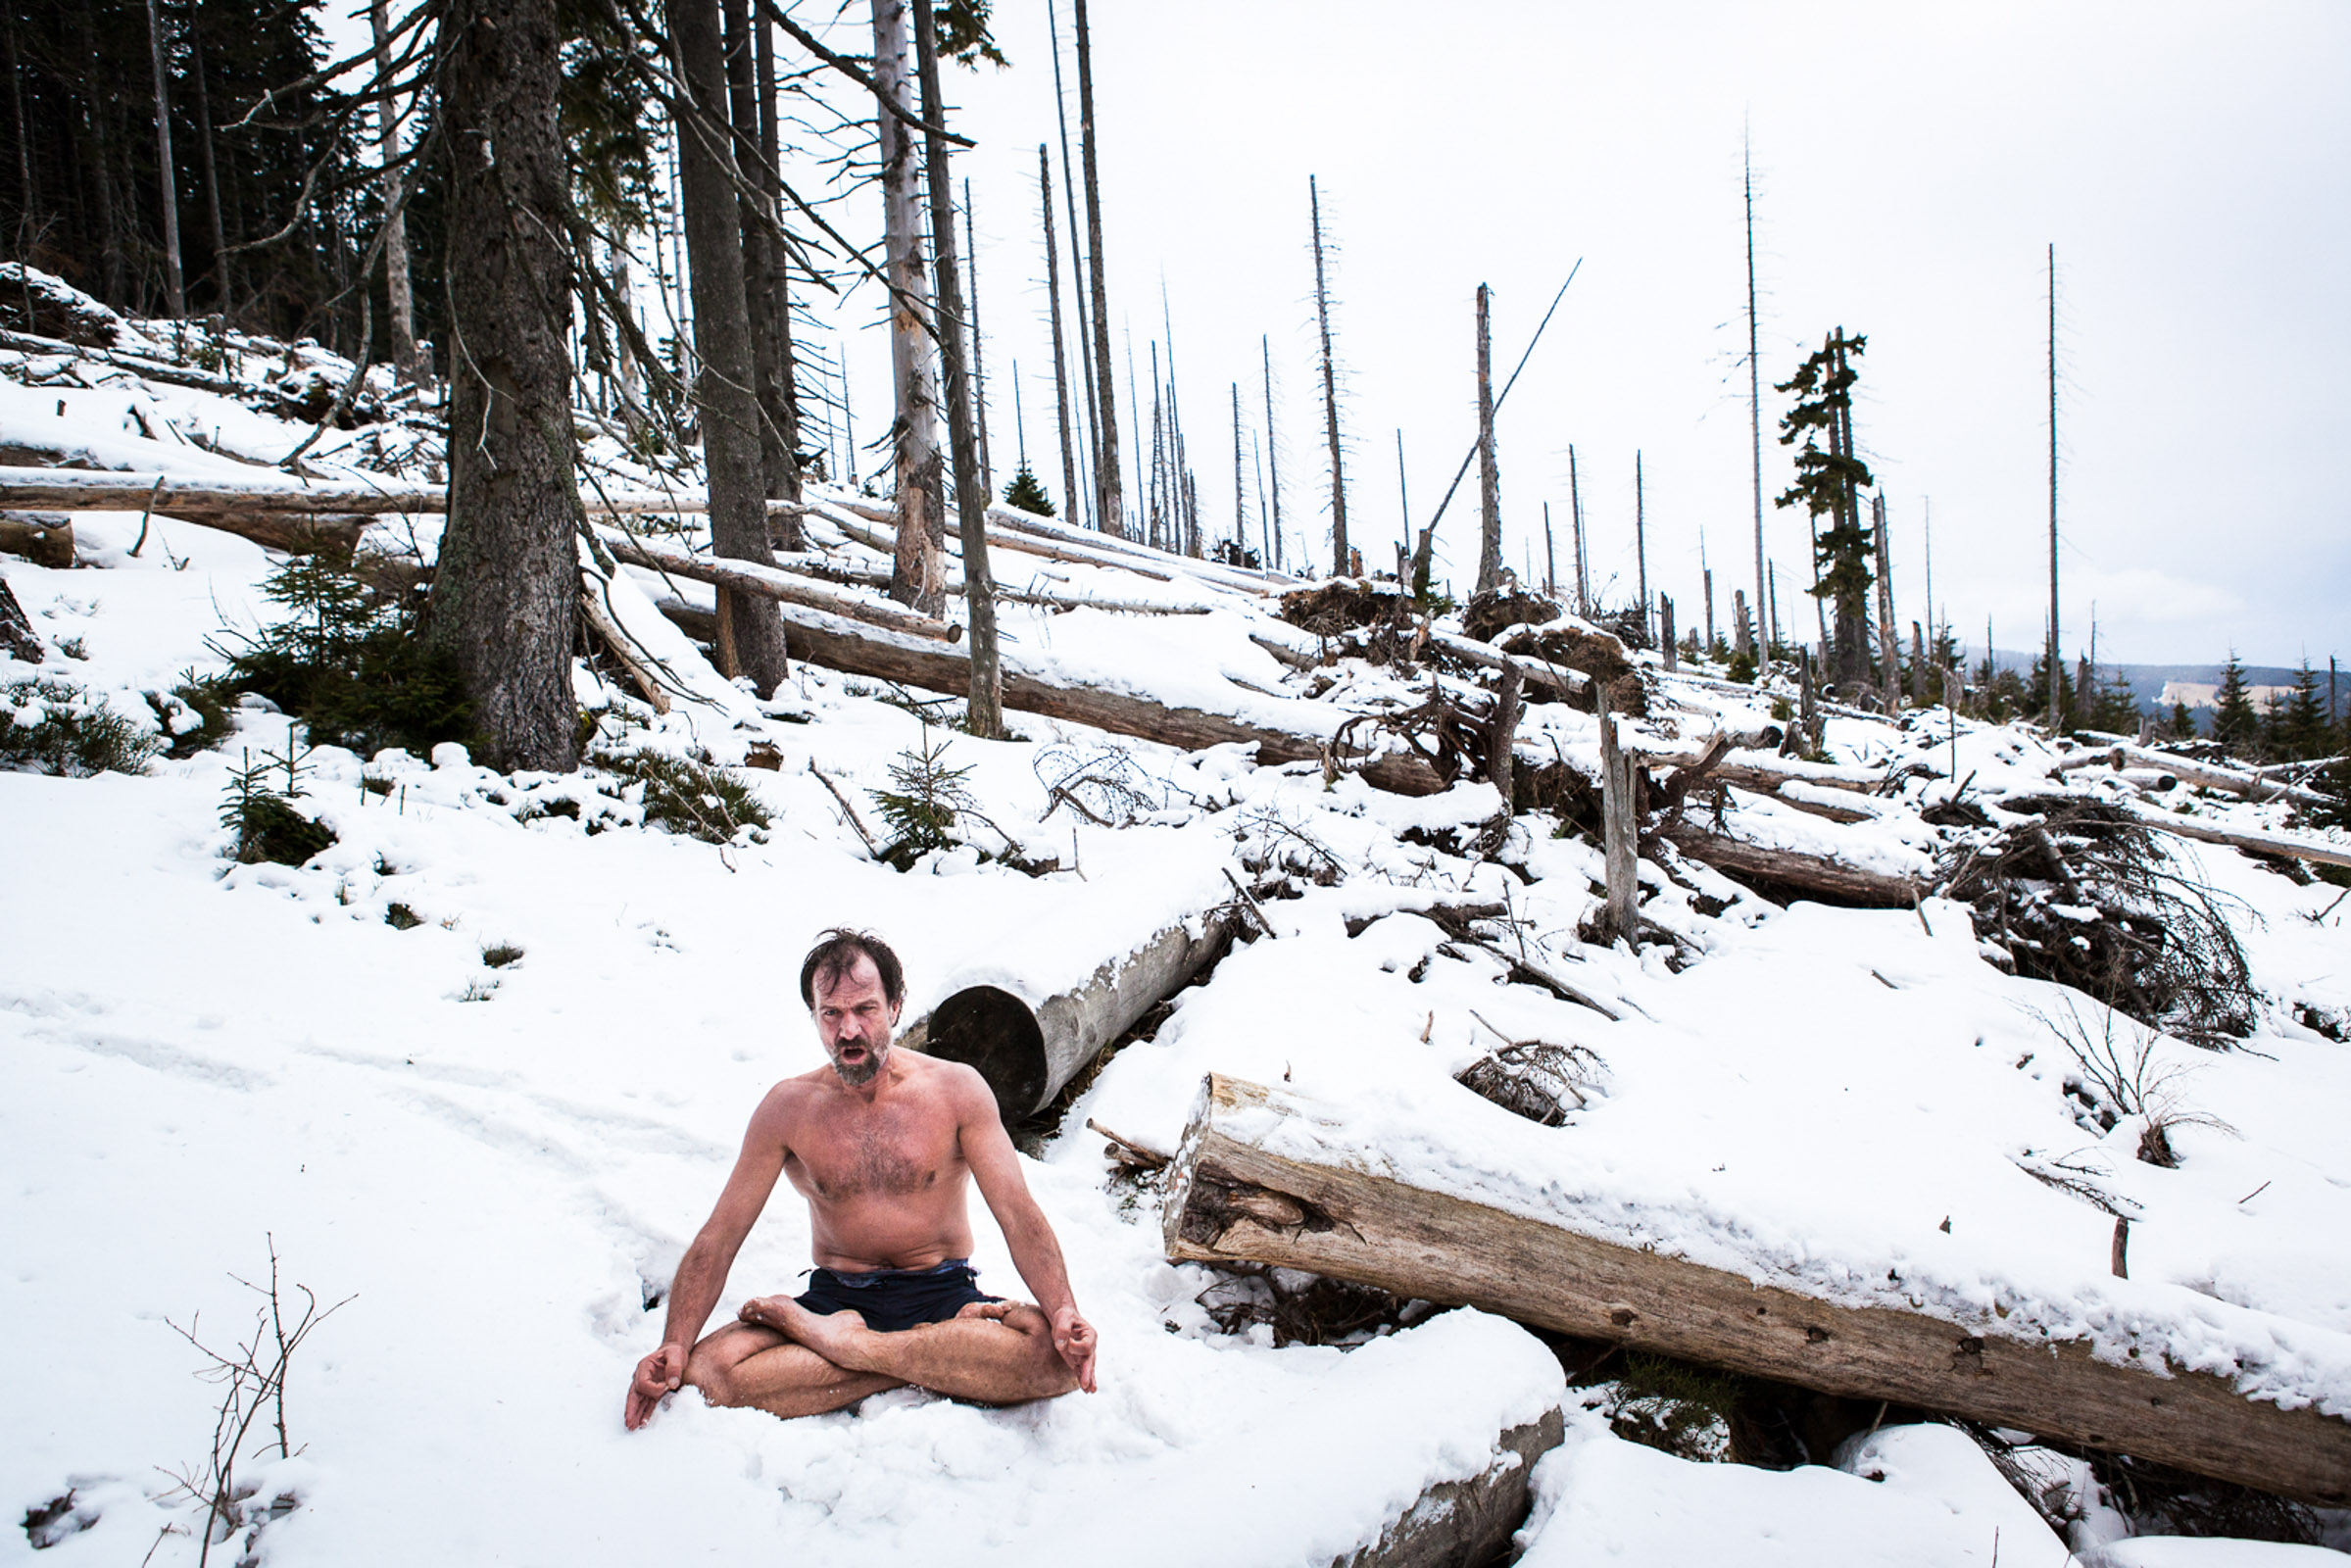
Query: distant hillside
<point>2156,686</point>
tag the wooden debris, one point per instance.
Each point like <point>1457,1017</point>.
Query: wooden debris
<point>1317,1206</point>
<point>767,582</point>
<point>1780,872</point>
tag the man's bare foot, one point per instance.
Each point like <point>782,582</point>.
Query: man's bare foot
<point>831,1337</point>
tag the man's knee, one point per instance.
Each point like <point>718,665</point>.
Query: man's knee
<point>1054,1377</point>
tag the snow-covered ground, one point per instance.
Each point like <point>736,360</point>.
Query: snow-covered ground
<point>496,1168</point>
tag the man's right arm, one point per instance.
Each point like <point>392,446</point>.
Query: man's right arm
<point>701,1272</point>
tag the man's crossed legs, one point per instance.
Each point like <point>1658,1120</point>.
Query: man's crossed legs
<point>789,1362</point>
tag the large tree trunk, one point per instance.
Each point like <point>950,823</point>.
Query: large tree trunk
<point>405,362</point>
<point>208,163</point>
<point>506,589</point>
<point>984,713</point>
<point>1490,475</point>
<point>1316,1206</point>
<point>750,638</point>
<point>1109,515</point>
<point>920,468</point>
<point>166,179</point>
<point>751,83</point>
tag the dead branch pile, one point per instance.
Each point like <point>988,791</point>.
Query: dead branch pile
<point>1301,1309</point>
<point>2080,894</point>
<point>1532,1078</point>
<point>1489,616</point>
<point>1595,654</point>
<point>1387,619</point>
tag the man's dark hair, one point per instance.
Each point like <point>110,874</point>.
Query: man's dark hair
<point>837,952</point>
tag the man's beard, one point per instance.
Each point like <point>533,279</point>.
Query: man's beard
<point>864,1072</point>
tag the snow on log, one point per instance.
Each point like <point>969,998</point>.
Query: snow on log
<point>1829,880</point>
<point>1467,1521</point>
<point>1028,1046</point>
<point>834,644</point>
<point>2285,846</point>
<point>769,582</point>
<point>1317,1205</point>
<point>2227,780</point>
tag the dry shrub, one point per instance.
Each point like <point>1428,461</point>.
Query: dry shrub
<point>2081,895</point>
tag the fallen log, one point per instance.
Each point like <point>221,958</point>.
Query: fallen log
<point>199,500</point>
<point>1316,1206</point>
<point>2227,780</point>
<point>854,525</point>
<point>767,582</point>
<point>1543,672</point>
<point>1029,1046</point>
<point>2284,846</point>
<point>833,644</point>
<point>1239,578</point>
<point>1773,871</point>
<point>44,538</point>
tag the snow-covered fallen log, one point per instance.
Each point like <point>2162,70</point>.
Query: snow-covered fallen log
<point>1822,876</point>
<point>2227,780</point>
<point>769,582</point>
<point>836,643</point>
<point>2285,846</point>
<point>1266,1176</point>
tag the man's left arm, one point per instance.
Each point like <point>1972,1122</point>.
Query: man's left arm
<point>1036,1251</point>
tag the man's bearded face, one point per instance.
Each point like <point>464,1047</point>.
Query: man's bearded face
<point>854,1020</point>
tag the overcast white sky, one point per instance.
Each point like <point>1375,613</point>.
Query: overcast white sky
<point>2191,164</point>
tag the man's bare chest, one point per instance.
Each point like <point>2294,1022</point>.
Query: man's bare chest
<point>884,1153</point>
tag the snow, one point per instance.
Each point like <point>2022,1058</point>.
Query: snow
<point>500,1166</point>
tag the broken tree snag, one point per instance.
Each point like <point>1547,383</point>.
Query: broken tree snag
<point>1780,873</point>
<point>1619,831</point>
<point>1470,1520</point>
<point>1503,737</point>
<point>833,644</point>
<point>1316,1206</point>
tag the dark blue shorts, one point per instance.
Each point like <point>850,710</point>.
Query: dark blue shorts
<point>894,1299</point>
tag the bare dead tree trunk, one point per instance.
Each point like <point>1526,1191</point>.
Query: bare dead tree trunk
<point>1755,398</point>
<point>1273,460</point>
<point>1112,515</point>
<point>770,299</point>
<point>504,596</point>
<point>749,44</point>
<point>1889,646</point>
<point>1092,413</point>
<point>2055,717</point>
<point>1575,507</point>
<point>919,578</point>
<point>1330,391</point>
<point>175,303</point>
<point>1061,366</point>
<point>1053,286</point>
<point>1641,543</point>
<point>985,713</point>
<point>210,166</point>
<point>1490,475</point>
<point>1239,513</point>
<point>1550,556</point>
<point>979,350</point>
<point>402,318</point>
<point>751,630</point>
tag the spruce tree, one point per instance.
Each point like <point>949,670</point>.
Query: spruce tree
<point>1829,483</point>
<point>2182,722</point>
<point>2234,722</point>
<point>1026,493</point>
<point>2303,727</point>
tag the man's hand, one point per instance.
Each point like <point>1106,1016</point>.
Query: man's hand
<point>1073,1336</point>
<point>657,1374</point>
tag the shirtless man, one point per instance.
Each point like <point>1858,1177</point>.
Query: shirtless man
<point>881,1144</point>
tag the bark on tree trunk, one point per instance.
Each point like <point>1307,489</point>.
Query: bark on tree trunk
<point>1890,647</point>
<point>402,315</point>
<point>724,396</point>
<point>920,468</point>
<point>1490,475</point>
<point>209,164</point>
<point>770,296</point>
<point>984,713</point>
<point>1314,1204</point>
<point>762,275</point>
<point>1110,516</point>
<point>507,591</point>
<point>1619,823</point>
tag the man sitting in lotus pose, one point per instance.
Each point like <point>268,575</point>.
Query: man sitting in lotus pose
<point>881,1144</point>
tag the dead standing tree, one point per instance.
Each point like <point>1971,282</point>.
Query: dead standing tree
<point>1330,391</point>
<point>1489,476</point>
<point>1052,287</point>
<point>985,716</point>
<point>920,577</point>
<point>1110,517</point>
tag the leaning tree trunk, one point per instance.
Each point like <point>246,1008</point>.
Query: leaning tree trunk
<point>503,593</point>
<point>985,713</point>
<point>1330,393</point>
<point>750,632</point>
<point>921,574</point>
